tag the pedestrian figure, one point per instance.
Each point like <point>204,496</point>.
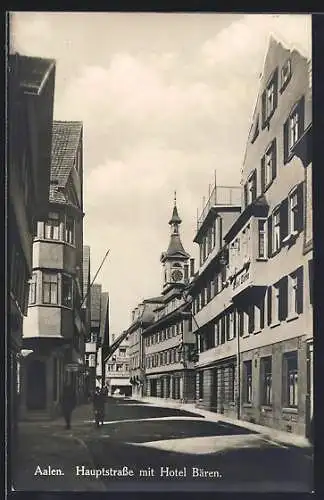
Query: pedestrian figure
<point>68,404</point>
<point>99,406</point>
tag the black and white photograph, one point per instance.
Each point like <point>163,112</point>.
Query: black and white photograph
<point>160,250</point>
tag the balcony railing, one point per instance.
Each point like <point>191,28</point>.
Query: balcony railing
<point>220,196</point>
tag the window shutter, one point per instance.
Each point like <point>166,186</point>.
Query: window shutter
<point>269,305</point>
<point>275,81</point>
<point>283,219</point>
<point>283,300</point>
<point>255,179</point>
<point>300,290</point>
<point>301,113</point>
<point>285,140</point>
<point>300,205</point>
<point>26,297</point>
<point>245,196</point>
<point>262,174</point>
<point>270,236</point>
<point>274,161</point>
<point>263,109</point>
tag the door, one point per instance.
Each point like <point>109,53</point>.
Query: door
<point>36,385</point>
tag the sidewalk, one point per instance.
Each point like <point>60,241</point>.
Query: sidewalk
<point>267,433</point>
<point>48,443</point>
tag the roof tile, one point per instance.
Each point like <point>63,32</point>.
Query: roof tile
<point>65,140</point>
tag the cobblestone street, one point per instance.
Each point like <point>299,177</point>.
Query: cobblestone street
<point>164,447</point>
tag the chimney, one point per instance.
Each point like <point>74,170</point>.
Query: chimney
<point>192,268</point>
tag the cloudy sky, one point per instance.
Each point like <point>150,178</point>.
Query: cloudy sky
<point>165,99</point>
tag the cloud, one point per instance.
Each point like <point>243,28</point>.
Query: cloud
<point>242,46</point>
<point>155,120</point>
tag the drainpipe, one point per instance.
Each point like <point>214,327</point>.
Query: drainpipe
<point>238,368</point>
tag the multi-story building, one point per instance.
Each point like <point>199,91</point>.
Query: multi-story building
<point>103,341</point>
<point>142,317</point>
<point>54,329</point>
<point>117,370</point>
<point>214,314</point>
<point>169,343</point>
<point>92,344</point>
<point>269,271</point>
<point>86,309</point>
<point>275,285</point>
<point>31,83</point>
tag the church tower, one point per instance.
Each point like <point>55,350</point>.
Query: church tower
<point>175,259</point>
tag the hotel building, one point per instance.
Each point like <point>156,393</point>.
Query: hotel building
<point>269,266</point>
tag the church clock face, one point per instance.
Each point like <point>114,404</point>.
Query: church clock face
<point>177,275</point>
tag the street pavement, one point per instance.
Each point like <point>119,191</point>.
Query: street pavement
<point>150,448</point>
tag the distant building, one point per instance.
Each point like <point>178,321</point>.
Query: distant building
<point>142,317</point>
<point>92,344</point>
<point>117,375</point>
<point>54,329</point>
<point>168,343</point>
<point>31,83</point>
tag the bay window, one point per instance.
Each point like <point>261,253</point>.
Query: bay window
<point>50,288</point>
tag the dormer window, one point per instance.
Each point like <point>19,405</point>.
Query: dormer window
<point>285,75</point>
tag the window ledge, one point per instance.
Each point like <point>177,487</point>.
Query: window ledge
<point>274,325</point>
<point>261,259</point>
<point>247,405</point>
<point>265,408</point>
<point>257,331</point>
<point>292,317</point>
<point>290,410</point>
<point>49,240</point>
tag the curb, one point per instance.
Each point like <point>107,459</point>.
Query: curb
<point>265,432</point>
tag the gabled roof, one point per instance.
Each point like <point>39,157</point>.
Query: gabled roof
<point>65,140</point>
<point>33,72</point>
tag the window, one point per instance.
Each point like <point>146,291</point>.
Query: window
<point>252,188</point>
<point>293,128</point>
<point>276,231</point>
<point>33,289</point>
<point>262,252</point>
<point>122,352</point>
<point>251,317</point>
<point>269,98</point>
<point>240,323</point>
<point>295,292</point>
<point>231,326</point>
<point>295,218</point>
<point>266,378</point>
<point>50,295</point>
<point>247,381</point>
<point>291,379</point>
<point>52,227</point>
<point>69,230</point>
<point>269,165</point>
<point>285,75</point>
<point>66,291</point>
<point>260,311</point>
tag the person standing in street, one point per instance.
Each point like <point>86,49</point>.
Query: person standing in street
<point>68,404</point>
<point>99,406</point>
